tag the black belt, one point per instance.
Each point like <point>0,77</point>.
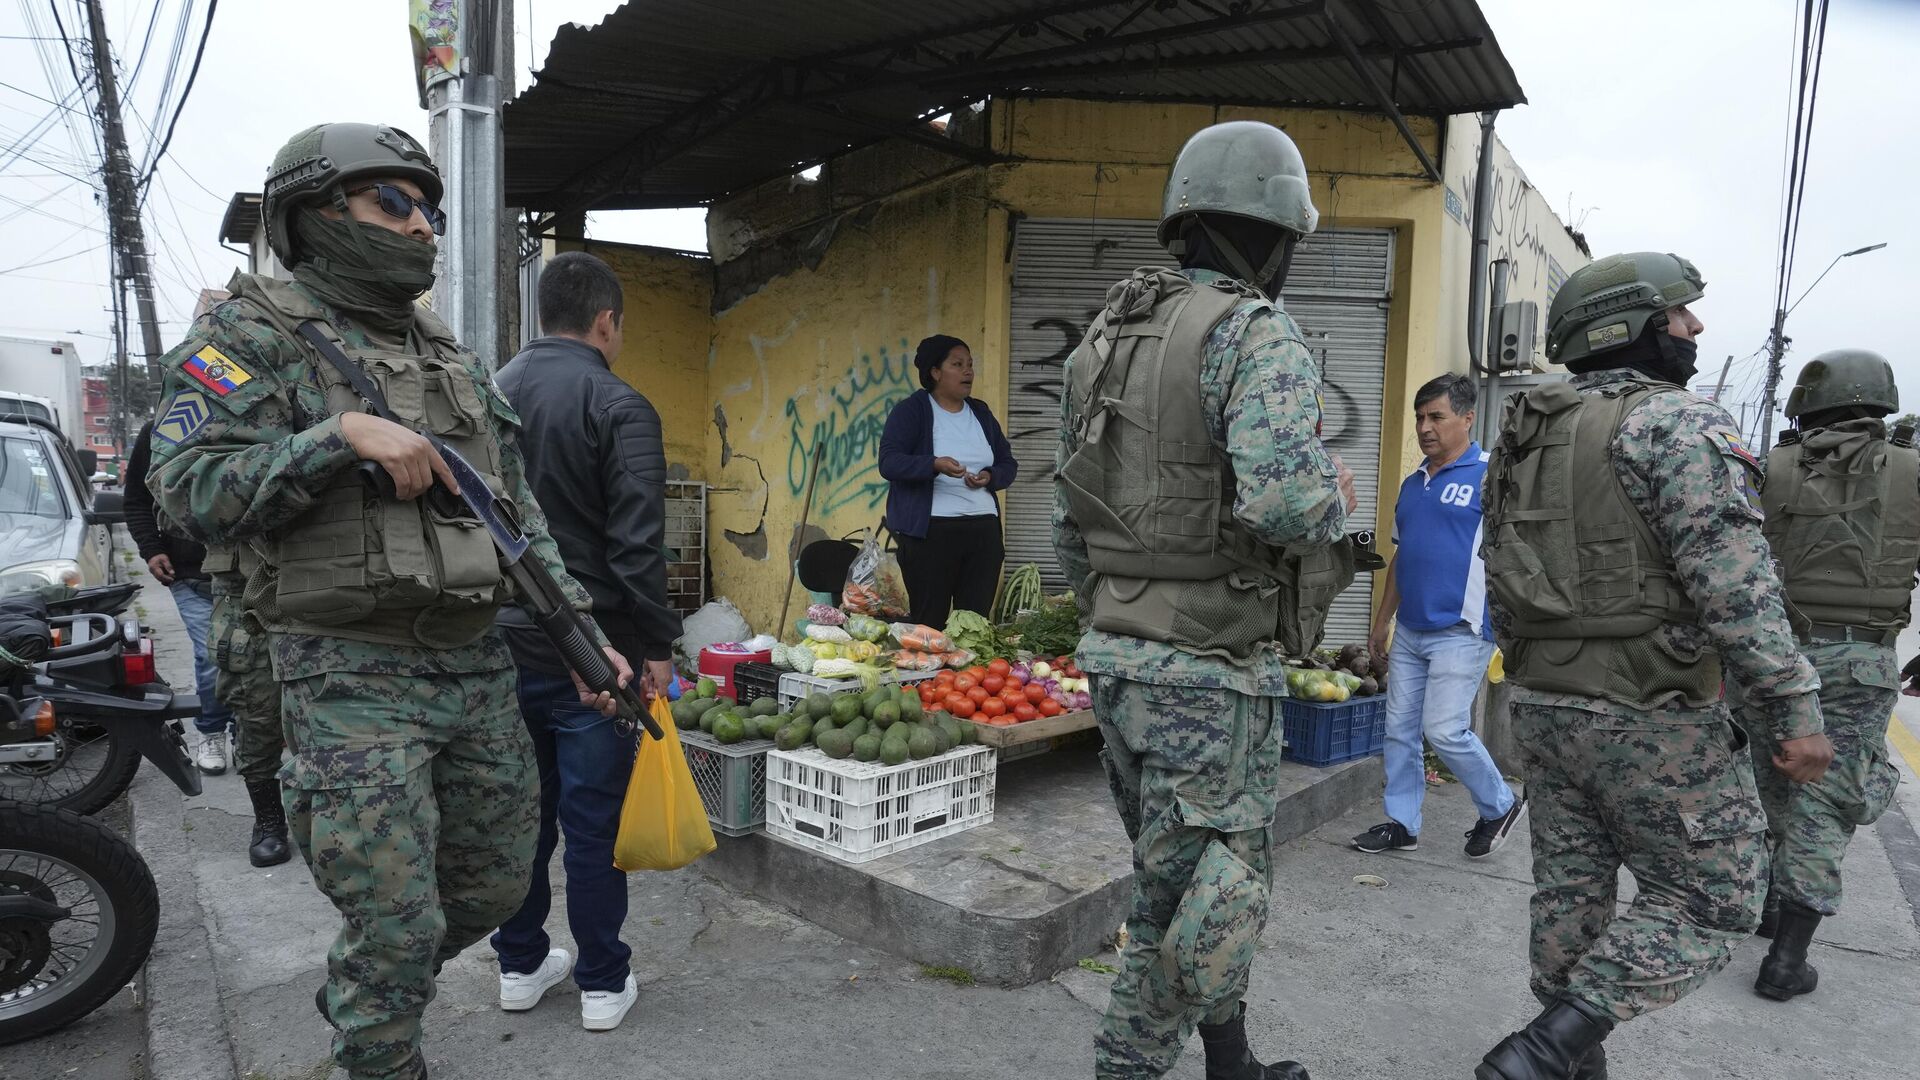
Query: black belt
<point>1840,632</point>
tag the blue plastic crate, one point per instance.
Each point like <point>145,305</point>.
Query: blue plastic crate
<point>1328,733</point>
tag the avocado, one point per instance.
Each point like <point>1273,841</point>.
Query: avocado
<point>794,735</point>
<point>729,729</point>
<point>701,706</point>
<point>887,713</point>
<point>819,705</point>
<point>836,744</point>
<point>764,706</point>
<point>824,723</point>
<point>769,726</point>
<point>867,747</point>
<point>844,709</point>
<point>706,688</point>
<point>923,743</point>
<point>873,699</point>
<point>707,718</point>
<point>911,709</point>
<point>683,713</point>
<point>953,728</point>
<point>894,751</point>
<point>857,728</point>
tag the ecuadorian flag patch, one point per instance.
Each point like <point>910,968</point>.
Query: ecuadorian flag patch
<point>216,371</point>
<point>1731,444</point>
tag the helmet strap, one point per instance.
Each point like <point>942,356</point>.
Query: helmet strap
<point>1278,260</point>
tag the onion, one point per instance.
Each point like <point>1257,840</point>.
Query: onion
<point>1041,669</point>
<point>1083,700</point>
<point>1052,686</point>
<point>1021,673</point>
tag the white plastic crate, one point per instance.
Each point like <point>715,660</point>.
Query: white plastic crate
<point>731,778</point>
<point>858,811</point>
<point>795,686</point>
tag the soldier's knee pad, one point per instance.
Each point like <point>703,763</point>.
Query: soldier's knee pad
<point>1208,949</point>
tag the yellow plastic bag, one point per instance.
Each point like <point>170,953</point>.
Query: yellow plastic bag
<point>663,825</point>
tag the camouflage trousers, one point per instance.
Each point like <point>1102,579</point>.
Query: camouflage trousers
<point>1670,795</point>
<point>1194,774</point>
<point>246,686</point>
<point>415,802</point>
<point>1810,825</point>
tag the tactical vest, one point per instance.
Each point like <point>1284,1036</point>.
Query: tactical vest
<point>1843,519</point>
<point>359,566</point>
<point>1586,584</point>
<point>1153,495</point>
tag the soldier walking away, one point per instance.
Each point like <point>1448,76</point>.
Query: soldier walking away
<point>1189,460</point>
<point>1842,499</point>
<point>1624,552</point>
<point>254,715</point>
<point>411,786</point>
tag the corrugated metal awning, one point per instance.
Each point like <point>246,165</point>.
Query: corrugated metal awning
<point>680,102</point>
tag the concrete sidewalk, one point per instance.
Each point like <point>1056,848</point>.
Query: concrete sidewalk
<point>1416,979</point>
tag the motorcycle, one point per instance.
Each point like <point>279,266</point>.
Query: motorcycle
<point>102,705</point>
<point>78,912</point>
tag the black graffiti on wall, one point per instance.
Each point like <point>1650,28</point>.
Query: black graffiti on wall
<point>1340,420</point>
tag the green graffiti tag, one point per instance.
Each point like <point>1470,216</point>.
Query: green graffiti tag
<point>849,430</point>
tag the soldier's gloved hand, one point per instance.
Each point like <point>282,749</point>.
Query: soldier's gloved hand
<point>1344,477</point>
<point>604,701</point>
<point>406,455</point>
<point>1804,760</point>
<point>1910,676</point>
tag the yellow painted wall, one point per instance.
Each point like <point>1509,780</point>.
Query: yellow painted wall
<point>668,337</point>
<point>821,355</point>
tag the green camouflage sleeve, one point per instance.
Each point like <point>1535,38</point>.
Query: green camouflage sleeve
<point>1285,490</point>
<point>1069,544</point>
<point>229,459</point>
<point>513,473</point>
<point>1701,498</point>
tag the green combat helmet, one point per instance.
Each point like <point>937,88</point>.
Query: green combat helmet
<point>315,162</point>
<point>1844,377</point>
<point>1606,304</point>
<point>1242,168</point>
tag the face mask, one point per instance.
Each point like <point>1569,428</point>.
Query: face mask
<point>1681,359</point>
<point>372,274</point>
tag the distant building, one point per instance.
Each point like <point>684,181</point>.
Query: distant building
<point>96,418</point>
<point>243,225</point>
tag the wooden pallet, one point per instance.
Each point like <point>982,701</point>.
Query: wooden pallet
<point>1047,727</point>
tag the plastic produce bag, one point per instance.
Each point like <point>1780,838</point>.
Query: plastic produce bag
<point>875,585</point>
<point>663,825</point>
<point>715,622</point>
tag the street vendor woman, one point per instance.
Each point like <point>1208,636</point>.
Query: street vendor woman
<point>944,457</point>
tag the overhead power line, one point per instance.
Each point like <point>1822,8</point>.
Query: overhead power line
<point>180,106</point>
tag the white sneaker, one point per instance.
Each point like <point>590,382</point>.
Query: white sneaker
<point>212,754</point>
<point>518,993</point>
<point>602,1010</point>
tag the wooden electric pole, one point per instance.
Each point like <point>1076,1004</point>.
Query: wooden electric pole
<point>123,199</point>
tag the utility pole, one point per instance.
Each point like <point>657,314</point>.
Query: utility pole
<point>123,202</point>
<point>463,132</point>
<point>1722,384</point>
<point>1776,348</point>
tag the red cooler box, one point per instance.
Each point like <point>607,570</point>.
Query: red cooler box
<point>717,663</point>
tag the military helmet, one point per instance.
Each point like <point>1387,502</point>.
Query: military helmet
<point>1243,168</point>
<point>1605,305</point>
<point>317,160</point>
<point>1843,377</point>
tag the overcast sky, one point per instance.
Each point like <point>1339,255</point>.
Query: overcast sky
<point>1649,125</point>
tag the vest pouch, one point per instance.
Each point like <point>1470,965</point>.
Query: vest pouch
<point>467,567</point>
<point>452,406</point>
<point>1610,579</point>
<point>321,559</point>
<point>1521,583</point>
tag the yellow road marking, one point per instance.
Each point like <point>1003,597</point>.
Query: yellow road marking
<point>1903,741</point>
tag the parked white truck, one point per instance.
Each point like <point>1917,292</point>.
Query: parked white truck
<point>37,368</point>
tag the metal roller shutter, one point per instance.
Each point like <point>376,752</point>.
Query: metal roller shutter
<point>1338,290</point>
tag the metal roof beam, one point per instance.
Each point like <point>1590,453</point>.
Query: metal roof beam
<point>916,133</point>
<point>1381,98</point>
<point>1202,61</point>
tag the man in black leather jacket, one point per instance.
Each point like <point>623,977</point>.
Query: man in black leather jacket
<point>596,463</point>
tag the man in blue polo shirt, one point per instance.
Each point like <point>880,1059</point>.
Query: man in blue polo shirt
<point>1437,593</point>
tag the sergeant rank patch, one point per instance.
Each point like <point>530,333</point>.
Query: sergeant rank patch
<point>182,417</point>
<point>216,371</point>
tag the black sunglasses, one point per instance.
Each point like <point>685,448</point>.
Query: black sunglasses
<point>399,204</point>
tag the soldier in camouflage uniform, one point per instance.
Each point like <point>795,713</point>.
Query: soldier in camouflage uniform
<point>1174,538</point>
<point>411,789</point>
<point>1842,500</point>
<point>1624,552</point>
<point>245,684</point>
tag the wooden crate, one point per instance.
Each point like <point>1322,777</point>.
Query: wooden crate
<point>1047,727</point>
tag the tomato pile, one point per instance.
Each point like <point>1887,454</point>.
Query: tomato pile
<point>1002,693</point>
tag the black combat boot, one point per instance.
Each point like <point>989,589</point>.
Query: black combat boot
<point>1569,1031</point>
<point>1229,1057</point>
<point>1594,1065</point>
<point>270,846</point>
<point>1785,973</point>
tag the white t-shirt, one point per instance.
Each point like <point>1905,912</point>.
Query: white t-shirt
<point>960,437</point>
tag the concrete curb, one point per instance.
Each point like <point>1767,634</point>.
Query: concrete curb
<point>186,1026</point>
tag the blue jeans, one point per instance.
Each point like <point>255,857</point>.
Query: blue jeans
<point>1432,676</point>
<point>585,762</point>
<point>195,601</point>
